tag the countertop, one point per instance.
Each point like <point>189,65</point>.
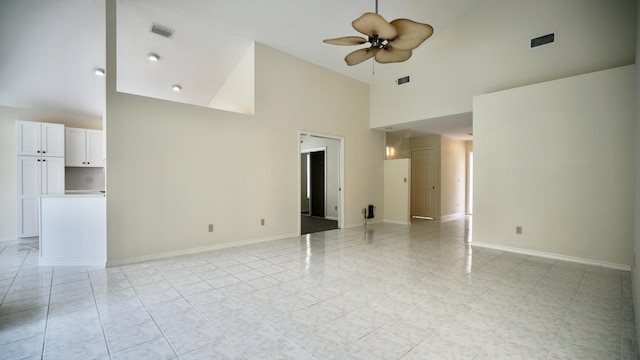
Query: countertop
<point>77,193</point>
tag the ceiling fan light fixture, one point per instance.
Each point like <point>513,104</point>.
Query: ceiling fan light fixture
<point>153,56</point>
<point>99,71</point>
<point>390,42</point>
<point>176,88</point>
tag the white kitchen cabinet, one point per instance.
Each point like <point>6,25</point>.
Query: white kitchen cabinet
<point>40,139</point>
<point>40,170</point>
<point>84,148</point>
<point>36,176</point>
<point>73,230</point>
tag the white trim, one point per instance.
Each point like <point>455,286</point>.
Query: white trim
<point>340,139</point>
<point>407,223</point>
<point>191,251</point>
<point>552,256</point>
<point>73,261</point>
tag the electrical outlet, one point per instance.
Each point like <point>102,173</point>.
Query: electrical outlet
<point>210,227</point>
<point>261,222</point>
<point>519,230</point>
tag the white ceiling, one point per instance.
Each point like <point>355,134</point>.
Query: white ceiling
<point>48,49</point>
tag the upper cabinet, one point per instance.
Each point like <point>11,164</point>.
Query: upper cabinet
<point>40,139</point>
<point>83,148</point>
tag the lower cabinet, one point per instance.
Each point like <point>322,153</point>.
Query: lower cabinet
<point>73,230</point>
<point>36,176</point>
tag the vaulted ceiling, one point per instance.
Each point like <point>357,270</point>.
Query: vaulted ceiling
<point>49,49</point>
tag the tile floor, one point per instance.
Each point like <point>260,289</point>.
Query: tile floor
<point>384,292</point>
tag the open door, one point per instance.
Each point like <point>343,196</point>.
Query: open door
<point>317,181</point>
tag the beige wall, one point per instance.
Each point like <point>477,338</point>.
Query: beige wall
<point>488,51</point>
<point>397,185</point>
<point>453,174</point>
<point>174,168</point>
<point>8,186</point>
<point>557,158</point>
<point>635,271</point>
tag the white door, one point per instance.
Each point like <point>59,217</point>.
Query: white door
<point>52,175</point>
<point>52,139</point>
<point>422,183</point>
<point>29,187</point>
<point>29,139</point>
<point>94,147</point>
<point>75,147</point>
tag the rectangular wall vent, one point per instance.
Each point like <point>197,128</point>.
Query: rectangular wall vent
<point>403,80</point>
<point>542,40</point>
<point>162,30</point>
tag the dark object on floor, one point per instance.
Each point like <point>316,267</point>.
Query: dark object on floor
<point>311,224</point>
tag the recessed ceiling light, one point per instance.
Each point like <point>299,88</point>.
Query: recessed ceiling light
<point>153,57</point>
<point>99,71</point>
<point>176,88</point>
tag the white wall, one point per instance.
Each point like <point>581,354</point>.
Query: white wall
<point>231,170</point>
<point>8,186</point>
<point>488,51</point>
<point>635,270</point>
<point>397,191</point>
<point>453,173</point>
<point>237,92</point>
<point>557,158</point>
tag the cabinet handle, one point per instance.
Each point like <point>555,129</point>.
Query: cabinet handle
<point>44,152</point>
<point>83,163</point>
<point>38,160</point>
<point>38,151</point>
<point>44,159</point>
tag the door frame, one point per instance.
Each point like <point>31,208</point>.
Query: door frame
<point>341,189</point>
<point>434,202</point>
<point>324,181</point>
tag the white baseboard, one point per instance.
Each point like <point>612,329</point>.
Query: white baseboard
<point>397,222</point>
<point>191,251</point>
<point>553,256</point>
<point>98,262</point>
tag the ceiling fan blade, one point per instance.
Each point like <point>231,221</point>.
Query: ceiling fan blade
<point>371,23</point>
<point>391,55</point>
<point>360,55</point>
<point>346,40</point>
<point>410,34</point>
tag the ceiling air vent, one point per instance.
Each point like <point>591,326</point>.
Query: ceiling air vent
<point>403,80</point>
<point>542,40</point>
<point>162,30</point>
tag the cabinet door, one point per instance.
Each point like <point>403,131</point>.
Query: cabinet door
<point>29,176</point>
<point>75,147</point>
<point>28,138</point>
<point>53,139</point>
<point>94,156</point>
<point>29,189</point>
<point>28,217</point>
<point>52,175</point>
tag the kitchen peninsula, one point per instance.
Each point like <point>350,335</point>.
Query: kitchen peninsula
<point>73,229</point>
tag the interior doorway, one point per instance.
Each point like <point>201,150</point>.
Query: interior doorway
<point>321,169</point>
<point>423,184</point>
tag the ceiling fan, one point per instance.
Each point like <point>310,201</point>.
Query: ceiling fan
<point>390,42</point>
